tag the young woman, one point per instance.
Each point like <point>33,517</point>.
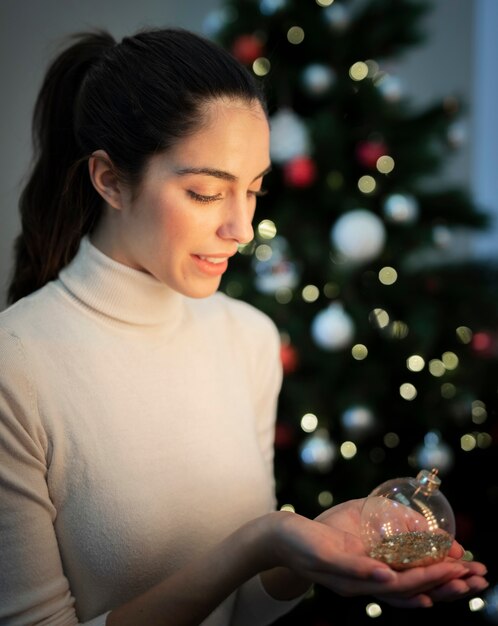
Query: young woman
<point>137,403</point>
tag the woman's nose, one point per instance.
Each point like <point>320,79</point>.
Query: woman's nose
<point>237,222</point>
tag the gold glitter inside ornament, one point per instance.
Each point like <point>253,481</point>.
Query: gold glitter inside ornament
<point>408,522</point>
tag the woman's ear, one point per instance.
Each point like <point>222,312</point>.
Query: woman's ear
<point>104,179</point>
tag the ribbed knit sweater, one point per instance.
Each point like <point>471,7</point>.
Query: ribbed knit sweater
<point>136,431</point>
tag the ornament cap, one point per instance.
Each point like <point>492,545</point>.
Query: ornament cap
<point>429,481</point>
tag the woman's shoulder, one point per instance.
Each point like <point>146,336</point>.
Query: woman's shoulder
<point>243,317</point>
<point>239,310</point>
<point>28,313</point>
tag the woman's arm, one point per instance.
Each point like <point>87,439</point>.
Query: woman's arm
<point>192,593</point>
<point>292,552</point>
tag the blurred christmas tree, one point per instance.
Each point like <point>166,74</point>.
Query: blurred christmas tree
<point>389,341</point>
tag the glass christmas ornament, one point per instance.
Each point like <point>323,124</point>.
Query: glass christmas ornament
<point>407,522</point>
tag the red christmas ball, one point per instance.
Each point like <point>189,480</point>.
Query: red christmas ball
<point>247,48</point>
<point>485,344</point>
<point>284,435</point>
<point>289,358</point>
<point>300,172</point>
<point>368,153</point>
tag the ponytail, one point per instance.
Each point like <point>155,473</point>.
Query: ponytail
<point>58,204</point>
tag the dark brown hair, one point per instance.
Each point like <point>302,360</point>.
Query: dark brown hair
<point>131,99</point>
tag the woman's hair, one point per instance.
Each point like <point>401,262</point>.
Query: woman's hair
<point>132,100</point>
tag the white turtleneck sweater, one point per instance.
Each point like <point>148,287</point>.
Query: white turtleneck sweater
<point>136,431</point>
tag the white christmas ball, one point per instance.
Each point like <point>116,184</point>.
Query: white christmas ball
<point>337,16</point>
<point>289,136</point>
<point>390,87</point>
<point>491,604</point>
<point>442,236</point>
<point>283,276</point>
<point>359,235</point>
<point>269,7</point>
<point>457,135</point>
<point>401,208</point>
<point>332,328</point>
<point>358,421</point>
<point>318,78</point>
<point>318,452</point>
<point>434,453</point>
<point>277,271</point>
<point>217,19</point>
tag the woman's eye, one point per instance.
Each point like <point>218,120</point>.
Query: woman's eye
<point>198,197</point>
<point>258,194</point>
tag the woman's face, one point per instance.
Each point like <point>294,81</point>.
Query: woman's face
<point>195,204</point>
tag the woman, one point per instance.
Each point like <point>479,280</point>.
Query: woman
<point>137,403</point>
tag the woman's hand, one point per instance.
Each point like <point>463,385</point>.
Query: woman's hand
<point>329,551</point>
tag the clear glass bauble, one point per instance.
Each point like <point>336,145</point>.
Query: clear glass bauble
<point>407,522</point>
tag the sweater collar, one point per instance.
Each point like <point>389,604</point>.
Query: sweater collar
<point>119,291</point>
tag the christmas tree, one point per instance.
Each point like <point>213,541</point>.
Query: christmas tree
<point>389,340</point>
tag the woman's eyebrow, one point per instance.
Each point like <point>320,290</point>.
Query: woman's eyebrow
<point>209,171</point>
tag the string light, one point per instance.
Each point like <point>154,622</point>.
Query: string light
<point>448,391</point>
<point>398,329</point>
<point>261,66</point>
<point>246,248</point>
<point>476,604</point>
<point>310,293</point>
<point>267,229</point>
<point>388,275</point>
<point>450,360</point>
<point>309,422</point>
<point>367,184</point>
<point>373,609</point>
<point>234,289</point>
<point>295,35</point>
<point>484,440</point>
<point>348,449</point>
<point>468,442</point>
<point>358,71</point>
<point>464,334</point>
<point>379,318</point>
<point>263,252</point>
<point>283,295</point>
<point>391,440</point>
<point>436,367</point>
<point>479,412</point>
<point>385,164</point>
<point>359,352</point>
<point>373,67</point>
<point>325,499</point>
<point>408,391</point>
<point>331,290</point>
<point>415,363</point>
<point>288,507</point>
